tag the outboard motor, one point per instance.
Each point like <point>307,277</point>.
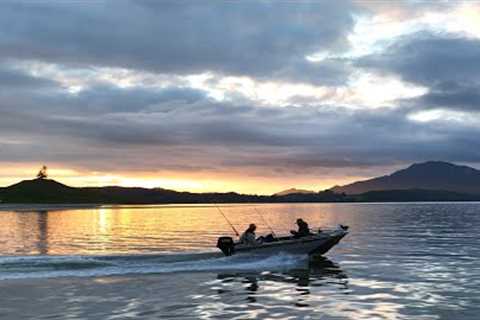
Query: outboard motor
<point>226,245</point>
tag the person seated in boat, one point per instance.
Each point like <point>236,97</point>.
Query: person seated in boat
<point>248,237</point>
<point>303,229</point>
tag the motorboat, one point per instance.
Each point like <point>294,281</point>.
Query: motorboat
<point>313,244</point>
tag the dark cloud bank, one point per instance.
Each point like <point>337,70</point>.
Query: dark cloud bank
<point>256,38</point>
<point>108,127</point>
<point>447,64</point>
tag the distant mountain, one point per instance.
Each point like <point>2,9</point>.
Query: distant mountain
<point>431,175</point>
<point>293,191</point>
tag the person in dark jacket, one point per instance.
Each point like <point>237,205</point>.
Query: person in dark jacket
<point>248,237</point>
<point>303,229</point>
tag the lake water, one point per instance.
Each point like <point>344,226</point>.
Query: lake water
<point>400,261</point>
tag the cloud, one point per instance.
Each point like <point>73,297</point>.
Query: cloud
<point>169,129</point>
<point>13,79</point>
<point>103,98</point>
<point>108,86</point>
<point>261,39</point>
<point>452,96</point>
<point>429,59</point>
<point>445,63</point>
<point>407,9</point>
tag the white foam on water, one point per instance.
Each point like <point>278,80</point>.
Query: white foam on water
<point>35,267</point>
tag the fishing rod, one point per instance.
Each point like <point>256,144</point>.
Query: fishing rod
<point>265,221</point>
<point>228,221</point>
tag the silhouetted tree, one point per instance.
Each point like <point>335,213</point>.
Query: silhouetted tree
<point>42,174</point>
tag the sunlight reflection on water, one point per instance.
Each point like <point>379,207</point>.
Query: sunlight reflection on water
<point>400,261</point>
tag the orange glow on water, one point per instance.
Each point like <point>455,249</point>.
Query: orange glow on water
<point>144,229</point>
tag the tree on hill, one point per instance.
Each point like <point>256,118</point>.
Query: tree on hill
<point>42,174</point>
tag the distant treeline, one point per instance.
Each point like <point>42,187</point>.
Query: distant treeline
<point>50,191</point>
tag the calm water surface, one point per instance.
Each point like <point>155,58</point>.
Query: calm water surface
<point>400,261</point>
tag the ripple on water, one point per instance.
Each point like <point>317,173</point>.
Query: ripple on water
<point>400,261</point>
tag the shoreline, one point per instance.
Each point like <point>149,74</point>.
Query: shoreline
<point>27,207</point>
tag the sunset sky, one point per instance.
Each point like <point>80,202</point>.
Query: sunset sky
<point>248,96</point>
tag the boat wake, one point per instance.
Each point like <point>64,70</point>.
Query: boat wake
<point>38,267</point>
